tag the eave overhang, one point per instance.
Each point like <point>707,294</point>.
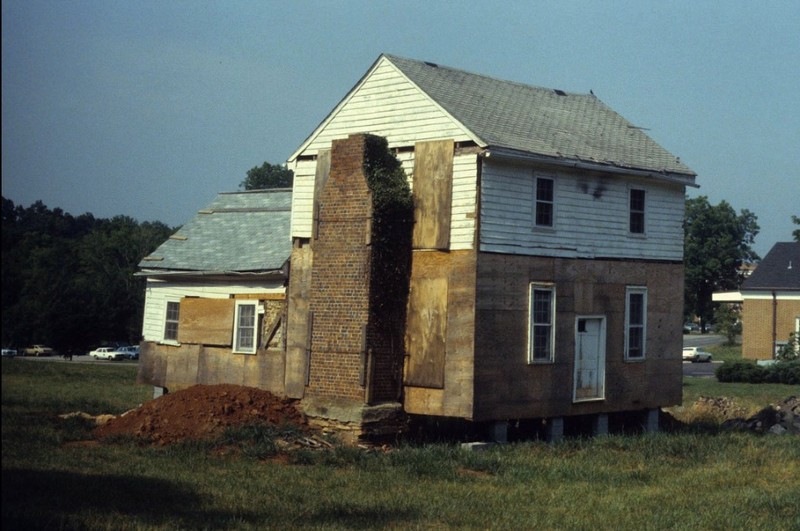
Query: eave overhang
<point>502,153</point>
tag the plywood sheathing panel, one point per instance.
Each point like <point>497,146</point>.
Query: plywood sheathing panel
<point>178,367</point>
<point>206,321</point>
<point>506,386</point>
<point>454,398</point>
<point>426,331</point>
<point>433,188</point>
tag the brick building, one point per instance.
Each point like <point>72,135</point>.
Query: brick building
<point>771,302</point>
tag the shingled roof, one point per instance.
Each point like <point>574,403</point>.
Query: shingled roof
<point>779,270</point>
<point>238,232</point>
<point>546,122</point>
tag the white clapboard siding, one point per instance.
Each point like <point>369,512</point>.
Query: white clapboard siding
<point>463,211</point>
<point>591,215</point>
<point>384,104</point>
<point>463,216</point>
<point>158,293</point>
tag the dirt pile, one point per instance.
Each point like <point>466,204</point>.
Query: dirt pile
<point>202,412</point>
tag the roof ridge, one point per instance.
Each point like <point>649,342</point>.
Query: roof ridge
<point>430,64</point>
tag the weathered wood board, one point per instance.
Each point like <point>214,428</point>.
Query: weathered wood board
<point>321,175</point>
<point>433,184</point>
<point>206,321</point>
<point>297,341</point>
<point>426,332</point>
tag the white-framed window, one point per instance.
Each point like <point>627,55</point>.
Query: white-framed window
<point>541,322</point>
<point>544,204</point>
<point>171,321</point>
<point>635,323</point>
<point>245,327</point>
<point>636,211</point>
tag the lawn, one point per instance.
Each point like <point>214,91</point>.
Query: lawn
<point>724,352</point>
<point>55,477</point>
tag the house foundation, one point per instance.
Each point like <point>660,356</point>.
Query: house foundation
<point>600,425</point>
<point>651,420</point>
<point>355,422</point>
<point>555,429</point>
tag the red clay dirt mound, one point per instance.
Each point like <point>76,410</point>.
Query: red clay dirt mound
<point>201,412</point>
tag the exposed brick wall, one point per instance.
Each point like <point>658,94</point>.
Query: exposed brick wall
<point>356,343</point>
<point>757,319</point>
<point>339,300</point>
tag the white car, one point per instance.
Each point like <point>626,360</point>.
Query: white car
<point>108,353</point>
<point>696,354</point>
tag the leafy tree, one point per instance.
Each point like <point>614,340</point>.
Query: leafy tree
<point>717,242</point>
<point>268,176</point>
<point>791,350</point>
<point>68,281</point>
<point>796,232</point>
<point>726,319</point>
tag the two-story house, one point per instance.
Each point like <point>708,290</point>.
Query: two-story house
<point>546,263</point>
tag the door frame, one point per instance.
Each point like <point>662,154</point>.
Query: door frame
<point>601,365</point>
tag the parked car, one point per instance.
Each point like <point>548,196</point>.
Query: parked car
<point>132,352</point>
<point>696,354</point>
<point>38,350</point>
<point>9,352</point>
<point>108,353</point>
<point>687,328</point>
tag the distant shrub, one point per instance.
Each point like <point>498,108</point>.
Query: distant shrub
<point>740,371</point>
<point>785,372</point>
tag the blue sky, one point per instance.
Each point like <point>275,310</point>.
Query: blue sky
<point>149,108</point>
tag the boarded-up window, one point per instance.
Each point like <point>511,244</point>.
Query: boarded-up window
<point>206,321</point>
<point>426,332</point>
<point>433,184</point>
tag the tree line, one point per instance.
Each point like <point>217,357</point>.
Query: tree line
<point>68,281</point>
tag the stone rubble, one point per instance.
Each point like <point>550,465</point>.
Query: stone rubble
<point>775,419</point>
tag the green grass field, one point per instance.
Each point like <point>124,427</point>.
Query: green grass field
<point>55,477</point>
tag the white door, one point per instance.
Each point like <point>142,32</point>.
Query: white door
<point>590,358</point>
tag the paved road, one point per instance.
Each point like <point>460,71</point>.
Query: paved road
<point>700,370</point>
<point>76,359</point>
<point>701,340</point>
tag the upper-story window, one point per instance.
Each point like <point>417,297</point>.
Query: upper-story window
<point>543,212</point>
<point>637,211</point>
<point>171,321</point>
